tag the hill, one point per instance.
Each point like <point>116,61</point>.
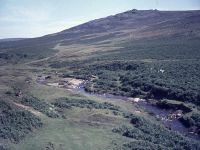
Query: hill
<point>127,27</point>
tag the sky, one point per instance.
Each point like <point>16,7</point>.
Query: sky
<point>33,18</point>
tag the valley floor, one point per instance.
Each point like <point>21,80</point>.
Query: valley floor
<point>82,121</point>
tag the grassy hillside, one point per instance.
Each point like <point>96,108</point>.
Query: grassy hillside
<point>159,68</point>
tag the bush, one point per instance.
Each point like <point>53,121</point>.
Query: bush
<point>15,124</point>
<point>191,120</point>
<point>145,79</point>
<point>142,145</point>
<point>39,105</point>
<point>150,135</point>
<point>83,103</point>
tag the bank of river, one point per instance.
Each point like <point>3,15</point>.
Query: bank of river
<point>161,114</point>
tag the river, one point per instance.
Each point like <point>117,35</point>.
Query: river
<point>161,114</point>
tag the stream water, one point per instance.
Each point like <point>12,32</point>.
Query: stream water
<point>161,114</point>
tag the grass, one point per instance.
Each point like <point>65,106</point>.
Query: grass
<point>78,130</point>
<point>71,135</point>
<point>49,93</point>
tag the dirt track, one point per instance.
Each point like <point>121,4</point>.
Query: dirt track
<point>28,108</point>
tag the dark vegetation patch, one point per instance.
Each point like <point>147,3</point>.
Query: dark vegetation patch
<point>141,145</point>
<point>22,95</point>
<point>15,123</point>
<point>192,120</point>
<point>150,135</point>
<point>39,105</point>
<point>156,80</point>
<point>8,56</point>
<point>84,103</point>
<point>21,51</point>
<point>164,104</point>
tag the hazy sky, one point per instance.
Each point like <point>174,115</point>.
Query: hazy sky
<point>31,18</point>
